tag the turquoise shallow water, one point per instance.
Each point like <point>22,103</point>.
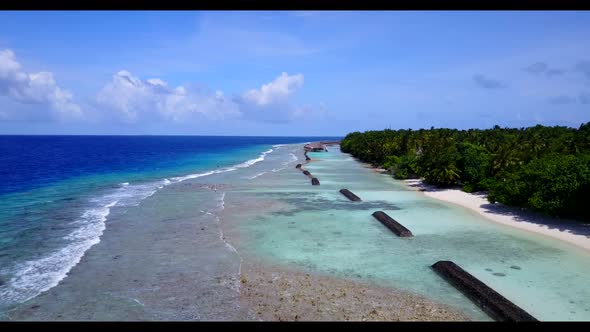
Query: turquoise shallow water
<point>322,231</point>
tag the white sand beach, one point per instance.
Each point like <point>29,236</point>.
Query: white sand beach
<point>566,230</point>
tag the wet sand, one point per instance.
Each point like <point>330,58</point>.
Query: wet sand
<point>281,294</point>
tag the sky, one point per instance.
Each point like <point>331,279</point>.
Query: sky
<point>290,73</point>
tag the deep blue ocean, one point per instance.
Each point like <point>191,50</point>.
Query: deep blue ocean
<point>56,192</point>
<point>29,162</point>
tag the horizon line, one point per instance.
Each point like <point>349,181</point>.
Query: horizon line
<point>161,135</point>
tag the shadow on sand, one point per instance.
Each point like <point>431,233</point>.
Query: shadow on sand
<point>517,214</point>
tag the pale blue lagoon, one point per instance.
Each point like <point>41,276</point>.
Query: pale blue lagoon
<point>321,230</point>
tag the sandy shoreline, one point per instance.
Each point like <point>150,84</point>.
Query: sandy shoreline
<point>569,231</point>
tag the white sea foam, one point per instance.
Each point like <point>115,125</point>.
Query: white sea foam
<point>254,161</point>
<point>292,158</point>
<point>257,175</point>
<point>191,176</point>
<point>221,207</point>
<point>30,278</point>
<point>36,276</point>
<point>221,204</point>
<point>245,164</point>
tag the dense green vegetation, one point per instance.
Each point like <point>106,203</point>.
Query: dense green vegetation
<point>541,168</point>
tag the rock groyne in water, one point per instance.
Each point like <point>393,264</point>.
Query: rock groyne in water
<point>350,195</point>
<point>392,224</point>
<point>491,302</point>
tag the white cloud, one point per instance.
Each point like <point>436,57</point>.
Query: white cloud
<point>33,88</point>
<point>276,91</point>
<point>157,81</point>
<point>9,68</point>
<point>272,102</point>
<point>134,100</point>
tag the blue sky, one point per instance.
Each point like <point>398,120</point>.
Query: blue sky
<point>291,72</point>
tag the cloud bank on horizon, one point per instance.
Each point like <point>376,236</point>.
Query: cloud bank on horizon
<point>129,99</point>
<point>134,100</point>
<point>39,89</point>
<point>290,73</point>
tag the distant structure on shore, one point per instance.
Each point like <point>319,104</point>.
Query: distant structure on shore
<point>319,146</point>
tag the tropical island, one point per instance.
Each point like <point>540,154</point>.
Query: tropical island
<point>545,169</point>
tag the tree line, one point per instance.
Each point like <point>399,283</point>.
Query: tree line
<point>542,168</point>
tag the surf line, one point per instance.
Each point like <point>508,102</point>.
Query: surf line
<point>221,207</point>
